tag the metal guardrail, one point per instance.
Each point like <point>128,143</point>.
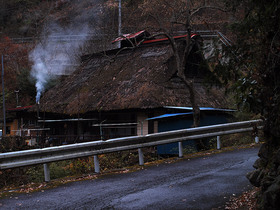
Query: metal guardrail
<point>66,152</point>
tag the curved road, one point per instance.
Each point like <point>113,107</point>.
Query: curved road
<point>200,183</point>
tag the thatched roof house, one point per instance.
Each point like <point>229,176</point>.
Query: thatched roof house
<point>140,78</point>
<point>124,87</point>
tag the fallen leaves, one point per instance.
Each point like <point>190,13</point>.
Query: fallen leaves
<point>31,187</point>
<point>246,201</point>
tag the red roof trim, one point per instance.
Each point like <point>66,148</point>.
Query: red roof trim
<point>20,108</point>
<point>165,39</point>
<point>128,36</point>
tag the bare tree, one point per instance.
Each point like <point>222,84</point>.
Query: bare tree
<point>182,14</point>
<point>164,18</point>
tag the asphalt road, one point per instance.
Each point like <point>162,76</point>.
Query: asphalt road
<point>200,183</point>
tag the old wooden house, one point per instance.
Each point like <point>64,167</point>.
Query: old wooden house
<point>113,93</point>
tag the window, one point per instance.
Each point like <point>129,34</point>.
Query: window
<point>8,129</point>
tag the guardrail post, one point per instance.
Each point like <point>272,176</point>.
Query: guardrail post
<point>218,142</point>
<point>140,152</point>
<point>257,139</point>
<point>47,172</point>
<point>141,157</point>
<point>96,164</point>
<point>180,145</point>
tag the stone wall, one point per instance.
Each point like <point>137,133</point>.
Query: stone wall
<point>267,176</point>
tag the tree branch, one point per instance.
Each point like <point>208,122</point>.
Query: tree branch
<point>272,43</point>
<point>206,7</point>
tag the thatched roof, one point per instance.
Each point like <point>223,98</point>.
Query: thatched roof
<point>142,78</point>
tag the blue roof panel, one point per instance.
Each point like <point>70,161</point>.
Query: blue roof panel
<point>169,115</point>
<point>188,113</point>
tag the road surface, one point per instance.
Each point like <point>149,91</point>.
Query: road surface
<point>199,183</point>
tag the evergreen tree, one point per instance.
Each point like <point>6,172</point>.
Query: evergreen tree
<point>254,69</point>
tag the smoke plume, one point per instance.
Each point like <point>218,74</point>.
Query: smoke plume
<point>59,49</point>
<point>56,54</point>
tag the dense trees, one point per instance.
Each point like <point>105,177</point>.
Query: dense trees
<point>15,59</point>
<point>255,71</point>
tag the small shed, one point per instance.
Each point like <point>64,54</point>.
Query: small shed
<point>176,120</point>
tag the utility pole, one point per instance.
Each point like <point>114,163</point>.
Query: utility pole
<point>16,92</point>
<point>120,22</point>
<point>4,108</point>
<point>120,18</point>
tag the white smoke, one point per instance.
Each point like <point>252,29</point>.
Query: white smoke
<point>56,54</point>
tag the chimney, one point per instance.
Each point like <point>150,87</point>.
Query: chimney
<point>38,109</point>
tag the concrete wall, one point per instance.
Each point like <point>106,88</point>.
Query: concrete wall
<point>141,118</point>
<point>155,126</point>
